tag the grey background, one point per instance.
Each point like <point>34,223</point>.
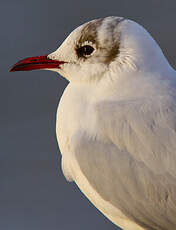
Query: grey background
<point>33,191</point>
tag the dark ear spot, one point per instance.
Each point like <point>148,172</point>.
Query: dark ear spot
<point>113,51</point>
<point>112,54</point>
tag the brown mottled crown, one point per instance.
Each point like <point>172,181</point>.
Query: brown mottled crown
<point>109,45</point>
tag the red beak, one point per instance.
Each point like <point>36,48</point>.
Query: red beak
<point>39,62</point>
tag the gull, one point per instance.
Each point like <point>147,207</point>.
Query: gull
<point>116,121</point>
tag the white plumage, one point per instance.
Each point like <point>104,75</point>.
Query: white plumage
<point>116,122</point>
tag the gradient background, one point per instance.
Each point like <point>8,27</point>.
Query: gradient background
<point>34,194</point>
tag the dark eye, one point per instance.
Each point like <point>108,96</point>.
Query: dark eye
<point>85,51</point>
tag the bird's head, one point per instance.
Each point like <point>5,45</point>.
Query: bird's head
<point>100,48</point>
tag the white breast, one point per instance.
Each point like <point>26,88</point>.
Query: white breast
<point>71,116</point>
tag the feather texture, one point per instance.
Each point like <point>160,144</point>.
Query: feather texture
<point>117,131</point>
